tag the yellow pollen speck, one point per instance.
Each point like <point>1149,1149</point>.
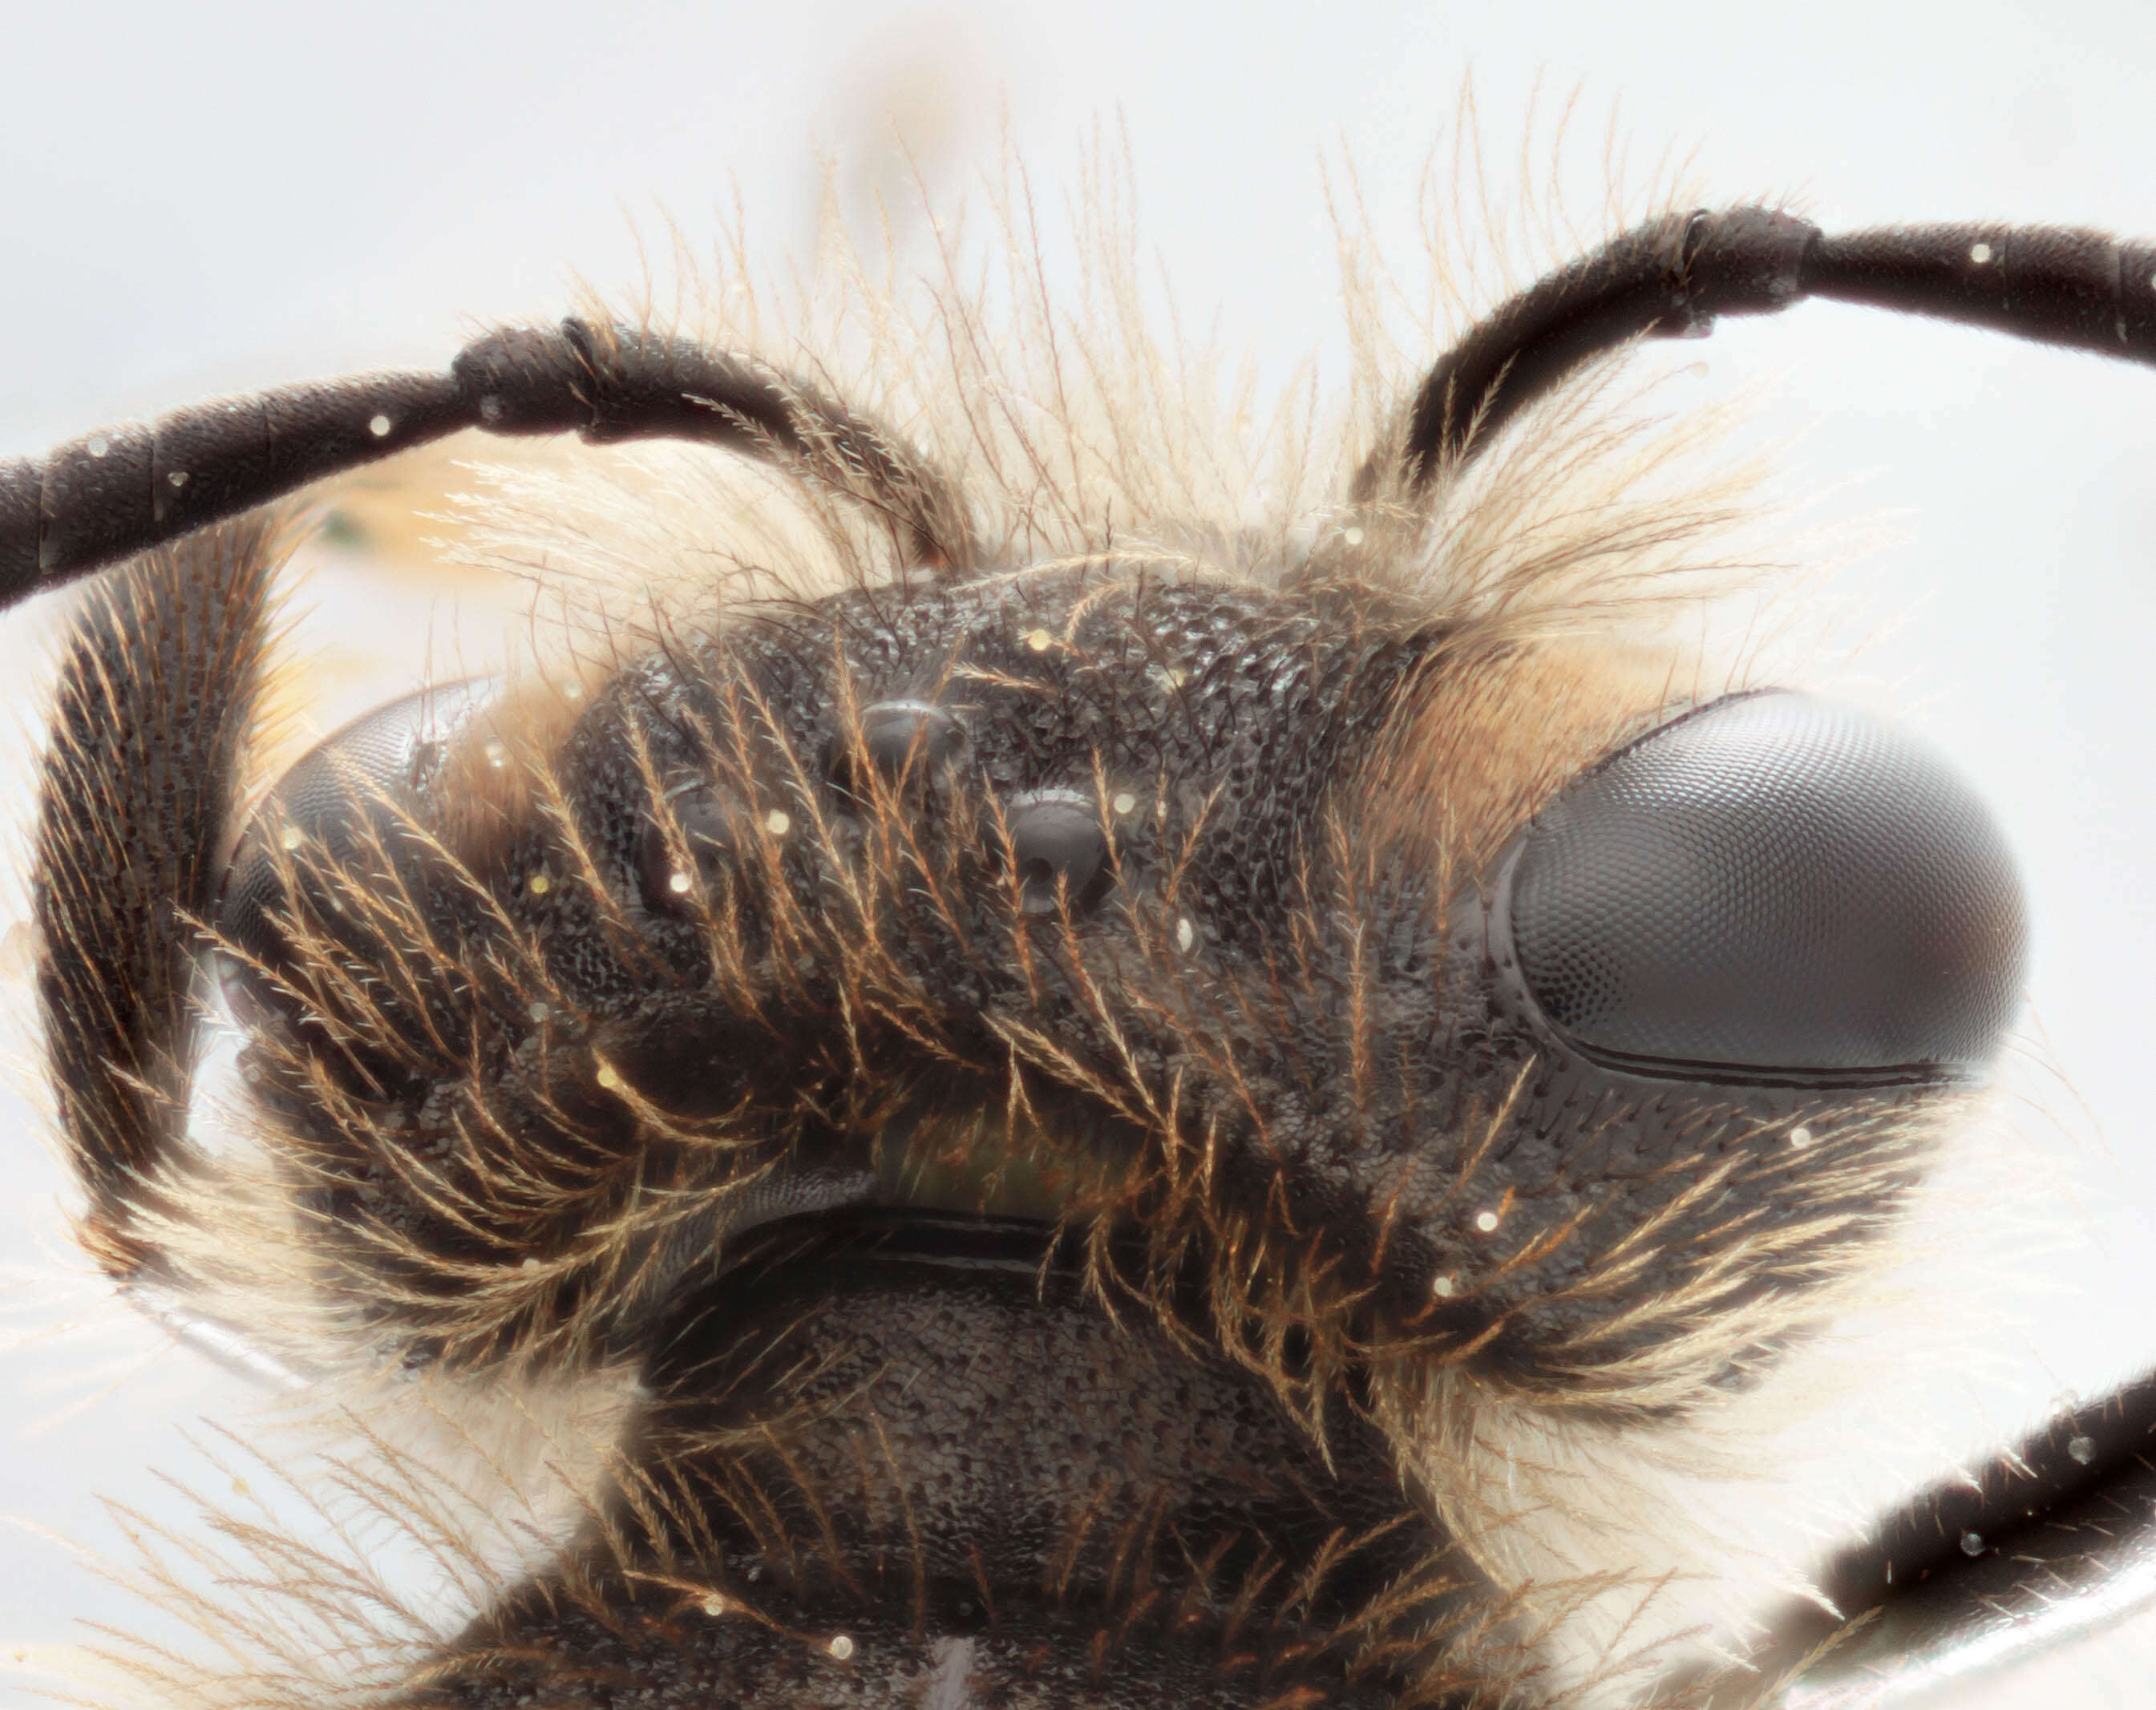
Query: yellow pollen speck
<point>288,840</point>
<point>714,1604</point>
<point>528,1266</point>
<point>1125,801</point>
<point>778,822</point>
<point>840,1646</point>
<point>1486,1221</point>
<point>609,1077</point>
<point>1039,640</point>
<point>539,884</point>
<point>1444,1288</point>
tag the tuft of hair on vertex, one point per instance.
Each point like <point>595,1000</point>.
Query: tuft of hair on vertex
<point>1082,424</point>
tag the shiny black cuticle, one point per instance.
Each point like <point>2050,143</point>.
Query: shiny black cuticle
<point>1057,839</point>
<point>899,738</point>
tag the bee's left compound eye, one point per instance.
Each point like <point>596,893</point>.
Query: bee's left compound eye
<point>1772,887</point>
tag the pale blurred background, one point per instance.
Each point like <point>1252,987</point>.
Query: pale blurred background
<point>210,196</point>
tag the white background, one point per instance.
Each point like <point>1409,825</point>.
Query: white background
<point>220,195</point>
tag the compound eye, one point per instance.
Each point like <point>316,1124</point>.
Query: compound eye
<point>336,802</point>
<point>709,836</point>
<point>1772,885</point>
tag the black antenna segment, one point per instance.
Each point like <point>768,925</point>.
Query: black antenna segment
<point>1672,277</point>
<point>113,493</point>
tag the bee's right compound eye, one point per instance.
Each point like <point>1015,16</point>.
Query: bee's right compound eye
<point>338,806</point>
<point>1771,888</point>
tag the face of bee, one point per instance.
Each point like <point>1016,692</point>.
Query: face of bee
<point>1293,1006</point>
<point>1101,1093</point>
<point>1444,958</point>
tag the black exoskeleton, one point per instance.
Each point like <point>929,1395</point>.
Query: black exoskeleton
<point>1066,1075</point>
